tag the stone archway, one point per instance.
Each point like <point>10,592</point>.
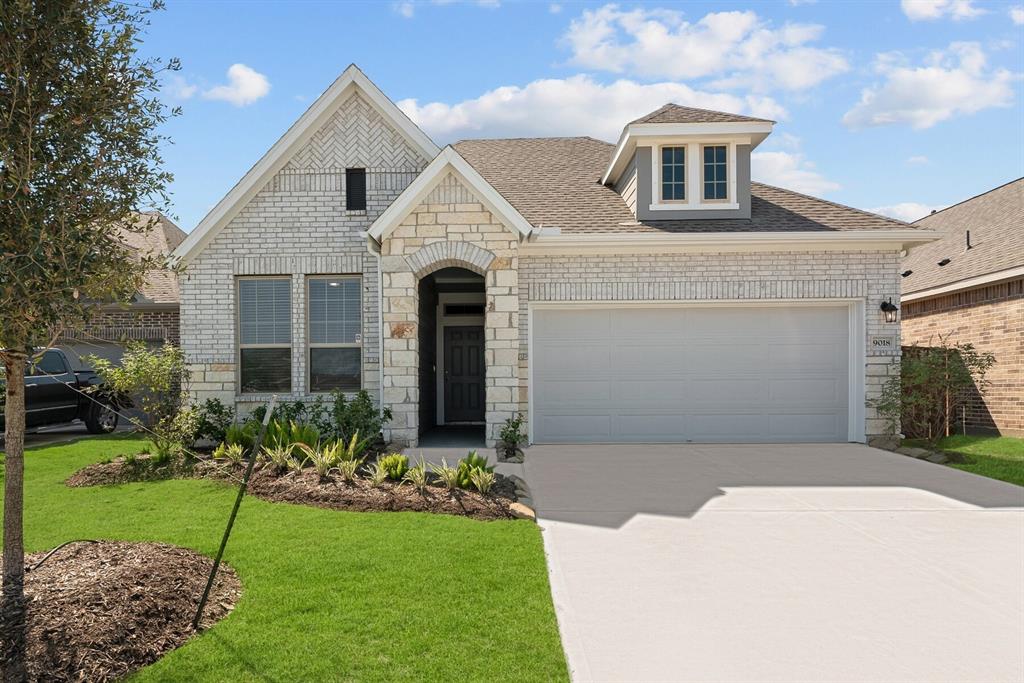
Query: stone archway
<point>440,255</point>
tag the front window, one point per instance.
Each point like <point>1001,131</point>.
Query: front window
<point>265,335</point>
<point>715,173</point>
<point>335,340</point>
<point>673,174</point>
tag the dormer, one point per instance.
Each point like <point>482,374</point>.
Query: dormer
<point>680,163</point>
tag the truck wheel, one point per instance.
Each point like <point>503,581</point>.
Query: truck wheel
<point>101,419</point>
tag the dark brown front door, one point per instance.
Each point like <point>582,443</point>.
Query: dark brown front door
<point>463,374</point>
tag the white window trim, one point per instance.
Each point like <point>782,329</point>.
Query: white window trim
<point>657,151</point>
<point>238,336</point>
<point>340,345</point>
<point>694,175</point>
<point>730,185</point>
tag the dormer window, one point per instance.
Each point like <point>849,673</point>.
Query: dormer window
<point>673,174</point>
<point>715,173</point>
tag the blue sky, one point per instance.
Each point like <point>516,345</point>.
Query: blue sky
<point>900,106</point>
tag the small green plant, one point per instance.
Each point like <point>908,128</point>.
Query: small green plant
<point>512,434</point>
<point>394,465</point>
<point>467,465</point>
<point>417,476</point>
<point>377,474</point>
<point>482,480</point>
<point>130,459</point>
<point>291,433</point>
<point>214,420</point>
<point>347,469</point>
<point>232,452</point>
<point>279,457</point>
<point>322,458</point>
<point>354,449</point>
<point>358,415</point>
<point>244,434</point>
<point>145,450</point>
<point>449,476</point>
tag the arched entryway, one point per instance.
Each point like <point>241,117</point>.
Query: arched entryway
<point>452,368</point>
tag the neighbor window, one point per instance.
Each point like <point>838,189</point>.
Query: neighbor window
<point>715,173</point>
<point>673,174</point>
<point>264,335</point>
<point>335,340</point>
<point>355,189</point>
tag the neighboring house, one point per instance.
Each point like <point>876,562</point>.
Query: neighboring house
<point>645,291</point>
<point>969,287</point>
<point>152,316</point>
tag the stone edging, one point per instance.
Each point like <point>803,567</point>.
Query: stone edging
<point>523,507</point>
<point>937,457</point>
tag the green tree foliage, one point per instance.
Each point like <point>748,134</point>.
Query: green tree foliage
<point>79,153</point>
<point>934,384</point>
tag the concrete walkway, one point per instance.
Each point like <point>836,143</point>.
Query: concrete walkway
<point>780,563</point>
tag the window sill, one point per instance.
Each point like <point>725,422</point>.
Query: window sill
<point>711,206</point>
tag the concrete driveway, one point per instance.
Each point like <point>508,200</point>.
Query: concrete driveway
<point>780,563</point>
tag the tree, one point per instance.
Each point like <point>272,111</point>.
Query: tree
<point>79,154</point>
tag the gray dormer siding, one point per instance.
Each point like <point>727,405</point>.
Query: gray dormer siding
<point>627,185</point>
<point>641,165</point>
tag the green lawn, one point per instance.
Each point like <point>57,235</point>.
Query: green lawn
<point>998,457</point>
<point>327,594</point>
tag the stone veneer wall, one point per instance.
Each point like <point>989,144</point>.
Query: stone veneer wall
<point>991,318</point>
<point>871,275</point>
<point>297,226</point>
<point>449,228</point>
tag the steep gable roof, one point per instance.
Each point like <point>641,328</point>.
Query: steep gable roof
<point>674,113</point>
<point>995,220</point>
<point>295,137</point>
<point>448,161</point>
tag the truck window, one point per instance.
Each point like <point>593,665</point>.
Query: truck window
<point>50,364</point>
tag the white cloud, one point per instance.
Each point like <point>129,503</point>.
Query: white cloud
<point>738,48</point>
<point>245,86</point>
<point>929,10</point>
<point>785,165</point>
<point>578,105</point>
<point>918,160</point>
<point>906,211</point>
<point>554,8</point>
<point>951,82</point>
<point>1017,14</point>
<point>405,9</point>
<point>797,3</point>
<point>177,88</point>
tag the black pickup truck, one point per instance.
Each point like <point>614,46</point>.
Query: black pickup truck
<point>53,395</point>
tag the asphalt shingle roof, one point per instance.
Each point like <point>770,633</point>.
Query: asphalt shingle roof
<point>555,183</point>
<point>160,286</point>
<point>674,113</point>
<point>996,222</point>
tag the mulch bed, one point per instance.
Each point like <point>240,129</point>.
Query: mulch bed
<point>306,488</point>
<point>99,611</point>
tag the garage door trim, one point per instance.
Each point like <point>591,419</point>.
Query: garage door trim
<point>857,354</point>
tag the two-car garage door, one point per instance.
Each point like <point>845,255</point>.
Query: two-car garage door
<point>699,373</point>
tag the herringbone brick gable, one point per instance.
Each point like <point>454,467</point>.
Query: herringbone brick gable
<point>357,136</point>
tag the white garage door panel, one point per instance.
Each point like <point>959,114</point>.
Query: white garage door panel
<point>662,374</point>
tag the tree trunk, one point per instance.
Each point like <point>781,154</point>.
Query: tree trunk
<point>12,607</point>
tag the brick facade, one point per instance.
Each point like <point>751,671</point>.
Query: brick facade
<point>991,318</point>
<point>867,275</point>
<point>297,225</point>
<point>130,324</point>
<point>450,227</point>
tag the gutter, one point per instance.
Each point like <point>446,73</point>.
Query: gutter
<point>969,283</point>
<point>373,247</point>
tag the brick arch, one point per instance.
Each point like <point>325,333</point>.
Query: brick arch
<point>447,254</point>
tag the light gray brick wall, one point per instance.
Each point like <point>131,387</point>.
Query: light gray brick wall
<point>867,275</point>
<point>297,226</point>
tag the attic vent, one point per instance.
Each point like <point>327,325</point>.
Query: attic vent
<point>355,189</point>
<point>906,273</point>
<point>943,261</point>
<point>968,239</point>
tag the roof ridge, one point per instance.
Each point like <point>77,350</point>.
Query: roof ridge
<point>541,137</point>
<point>969,199</point>
<point>836,204</point>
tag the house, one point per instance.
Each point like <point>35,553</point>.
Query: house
<point>642,291</point>
<point>152,315</point>
<point>969,287</point>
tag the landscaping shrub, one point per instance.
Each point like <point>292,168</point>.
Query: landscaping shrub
<point>242,434</point>
<point>347,468</point>
<point>377,474</point>
<point>357,416</point>
<point>483,480</point>
<point>468,465</point>
<point>354,449</point>
<point>214,420</point>
<point>417,476</point>
<point>395,466</point>
<point>230,452</point>
<point>934,383</point>
<point>279,457</point>
<point>512,435</point>
<point>323,457</point>
<point>449,476</point>
<point>290,433</point>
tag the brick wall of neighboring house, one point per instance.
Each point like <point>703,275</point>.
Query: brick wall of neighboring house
<point>157,324</point>
<point>991,318</point>
<point>869,275</point>
<point>297,225</point>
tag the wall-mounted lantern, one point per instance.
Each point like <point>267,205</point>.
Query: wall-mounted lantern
<point>890,311</point>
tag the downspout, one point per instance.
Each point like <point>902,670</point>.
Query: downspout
<point>373,247</point>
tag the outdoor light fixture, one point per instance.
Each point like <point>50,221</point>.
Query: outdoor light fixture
<point>889,311</point>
